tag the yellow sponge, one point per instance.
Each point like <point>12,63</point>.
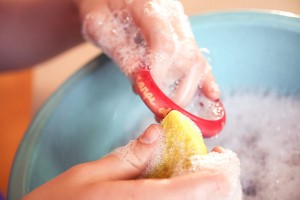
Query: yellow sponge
<point>182,139</point>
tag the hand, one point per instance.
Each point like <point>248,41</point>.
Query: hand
<point>113,177</point>
<point>155,34</point>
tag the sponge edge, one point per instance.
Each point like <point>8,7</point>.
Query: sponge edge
<point>181,150</point>
<point>225,163</point>
<point>181,140</point>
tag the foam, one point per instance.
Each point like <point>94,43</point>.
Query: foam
<point>121,39</point>
<point>226,163</point>
<point>163,9</point>
<point>155,157</point>
<point>264,130</point>
<point>125,153</point>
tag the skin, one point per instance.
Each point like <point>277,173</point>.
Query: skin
<point>95,180</point>
<point>32,31</point>
<point>35,30</point>
<point>165,34</point>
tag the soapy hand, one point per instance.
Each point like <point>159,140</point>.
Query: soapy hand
<point>114,177</point>
<point>154,34</point>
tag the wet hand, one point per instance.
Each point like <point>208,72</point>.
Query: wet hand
<point>114,176</point>
<point>154,34</point>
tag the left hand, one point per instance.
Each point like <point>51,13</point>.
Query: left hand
<point>156,33</point>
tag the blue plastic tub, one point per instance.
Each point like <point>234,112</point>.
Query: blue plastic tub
<point>94,111</point>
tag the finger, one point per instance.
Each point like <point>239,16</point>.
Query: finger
<point>159,34</point>
<point>210,87</point>
<point>129,161</point>
<point>181,23</point>
<point>91,6</point>
<point>204,185</point>
<point>134,88</point>
<point>168,34</point>
<point>116,5</point>
<point>189,84</point>
<point>93,15</point>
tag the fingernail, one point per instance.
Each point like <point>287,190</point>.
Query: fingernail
<point>150,135</point>
<point>214,90</point>
<point>218,150</point>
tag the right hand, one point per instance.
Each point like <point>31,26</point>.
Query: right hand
<point>114,177</point>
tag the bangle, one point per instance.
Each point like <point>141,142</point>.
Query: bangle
<point>161,105</point>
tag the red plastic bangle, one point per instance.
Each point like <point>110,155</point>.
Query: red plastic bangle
<point>161,105</point>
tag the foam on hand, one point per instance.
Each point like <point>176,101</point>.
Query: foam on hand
<point>174,59</point>
<point>118,37</point>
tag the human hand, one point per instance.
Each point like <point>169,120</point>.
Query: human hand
<point>114,177</point>
<point>155,34</point>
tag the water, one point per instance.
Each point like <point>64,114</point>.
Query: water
<point>264,130</point>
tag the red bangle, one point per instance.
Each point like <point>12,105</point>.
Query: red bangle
<point>161,105</point>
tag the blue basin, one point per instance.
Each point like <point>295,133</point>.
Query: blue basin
<point>96,111</point>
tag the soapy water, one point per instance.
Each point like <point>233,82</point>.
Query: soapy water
<point>264,130</point>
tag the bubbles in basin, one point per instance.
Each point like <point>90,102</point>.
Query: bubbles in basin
<point>263,129</point>
<point>250,188</point>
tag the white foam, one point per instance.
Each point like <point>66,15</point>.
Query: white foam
<point>156,157</point>
<point>264,130</point>
<point>126,152</point>
<point>121,39</point>
<point>225,163</point>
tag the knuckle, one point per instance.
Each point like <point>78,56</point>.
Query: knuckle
<point>79,171</point>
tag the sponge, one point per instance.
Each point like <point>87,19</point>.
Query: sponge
<point>182,139</point>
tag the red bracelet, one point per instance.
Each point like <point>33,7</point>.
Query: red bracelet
<point>161,105</point>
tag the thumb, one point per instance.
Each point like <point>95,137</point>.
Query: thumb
<point>129,161</point>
